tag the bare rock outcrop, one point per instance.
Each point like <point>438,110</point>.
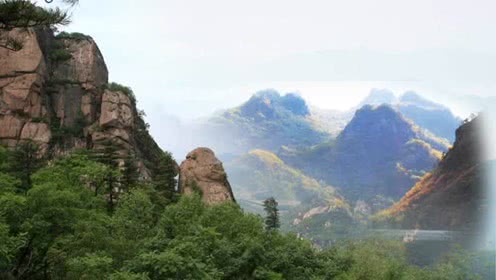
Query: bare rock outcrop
<point>55,92</point>
<point>86,65</point>
<point>202,172</point>
<point>116,110</point>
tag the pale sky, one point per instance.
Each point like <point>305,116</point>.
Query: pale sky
<point>190,58</point>
<point>187,59</point>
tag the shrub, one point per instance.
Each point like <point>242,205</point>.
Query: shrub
<point>73,36</point>
<point>124,89</point>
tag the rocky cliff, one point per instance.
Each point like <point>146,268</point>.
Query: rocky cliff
<point>203,173</point>
<point>452,196</point>
<point>55,92</point>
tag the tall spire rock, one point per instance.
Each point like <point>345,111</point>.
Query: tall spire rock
<point>202,172</point>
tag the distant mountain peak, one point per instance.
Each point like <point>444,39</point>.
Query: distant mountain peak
<point>412,97</point>
<point>378,97</point>
<point>270,104</point>
<point>435,117</point>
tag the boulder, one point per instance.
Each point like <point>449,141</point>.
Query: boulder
<point>202,172</point>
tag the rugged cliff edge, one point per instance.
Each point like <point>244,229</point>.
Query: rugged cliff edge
<point>452,196</point>
<point>55,92</point>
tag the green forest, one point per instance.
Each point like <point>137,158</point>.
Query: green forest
<point>56,223</point>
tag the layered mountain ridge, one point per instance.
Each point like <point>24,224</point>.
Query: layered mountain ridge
<point>434,117</point>
<point>378,153</point>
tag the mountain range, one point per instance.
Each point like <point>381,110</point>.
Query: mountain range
<point>378,153</point>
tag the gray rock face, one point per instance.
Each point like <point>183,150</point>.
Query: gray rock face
<point>203,172</point>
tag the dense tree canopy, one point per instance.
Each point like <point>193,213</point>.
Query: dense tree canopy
<point>60,228</point>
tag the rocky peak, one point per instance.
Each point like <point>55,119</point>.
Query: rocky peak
<point>55,92</point>
<point>202,172</point>
<point>377,126</point>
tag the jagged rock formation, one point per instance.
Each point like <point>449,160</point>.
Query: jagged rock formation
<point>202,172</point>
<point>378,153</point>
<point>55,92</point>
<point>452,196</point>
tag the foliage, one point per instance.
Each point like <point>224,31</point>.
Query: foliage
<point>59,53</point>
<point>23,14</point>
<point>124,89</point>
<point>72,36</point>
<point>61,229</point>
<point>24,161</point>
<point>272,214</point>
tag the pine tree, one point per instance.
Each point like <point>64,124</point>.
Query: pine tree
<point>107,152</point>
<point>130,173</point>
<point>272,214</point>
<point>23,162</point>
<point>25,14</point>
<point>164,178</point>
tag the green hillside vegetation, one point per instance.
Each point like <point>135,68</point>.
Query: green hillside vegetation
<point>62,228</point>
<point>261,174</point>
<point>308,206</point>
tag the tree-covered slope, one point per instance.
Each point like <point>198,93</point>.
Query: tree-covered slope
<point>260,174</point>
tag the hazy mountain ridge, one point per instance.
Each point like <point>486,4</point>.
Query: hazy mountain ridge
<point>435,117</point>
<point>267,121</point>
<point>379,152</point>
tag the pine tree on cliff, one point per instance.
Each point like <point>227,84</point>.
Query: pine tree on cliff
<point>130,173</point>
<point>165,176</point>
<point>25,14</point>
<point>23,162</point>
<point>108,154</point>
<point>272,214</point>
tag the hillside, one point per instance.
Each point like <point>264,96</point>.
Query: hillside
<point>378,153</point>
<point>260,174</point>
<point>451,197</point>
<point>309,207</point>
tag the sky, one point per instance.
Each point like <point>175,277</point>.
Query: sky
<point>187,59</point>
<point>191,58</point>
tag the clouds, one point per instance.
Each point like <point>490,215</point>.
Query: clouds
<point>190,58</point>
